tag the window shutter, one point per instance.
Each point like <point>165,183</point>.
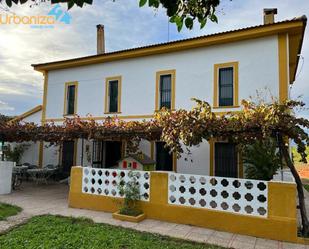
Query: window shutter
<point>71,99</point>
<point>226,82</point>
<point>113,96</point>
<point>165,91</point>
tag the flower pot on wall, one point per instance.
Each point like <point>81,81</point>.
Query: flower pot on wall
<point>6,169</point>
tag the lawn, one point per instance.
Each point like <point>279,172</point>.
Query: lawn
<point>63,232</point>
<point>7,210</point>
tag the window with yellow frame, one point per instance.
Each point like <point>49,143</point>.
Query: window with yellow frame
<point>113,94</point>
<point>226,85</point>
<point>165,89</point>
<point>70,98</point>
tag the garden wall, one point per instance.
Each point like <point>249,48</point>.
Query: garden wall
<point>241,206</point>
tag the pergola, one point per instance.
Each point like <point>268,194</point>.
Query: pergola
<point>256,121</point>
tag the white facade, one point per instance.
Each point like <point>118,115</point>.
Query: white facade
<point>258,68</point>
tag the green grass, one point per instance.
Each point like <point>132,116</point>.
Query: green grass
<point>7,210</point>
<point>65,233</point>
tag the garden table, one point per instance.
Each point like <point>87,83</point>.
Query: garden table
<point>40,175</point>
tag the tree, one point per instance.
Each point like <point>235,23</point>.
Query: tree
<point>261,159</point>
<point>179,11</point>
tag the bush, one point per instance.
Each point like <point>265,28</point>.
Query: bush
<point>261,160</point>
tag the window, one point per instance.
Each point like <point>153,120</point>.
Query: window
<point>165,90</point>
<point>113,94</point>
<point>70,98</point>
<point>226,85</point>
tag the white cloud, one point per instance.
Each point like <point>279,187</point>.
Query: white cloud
<point>5,106</point>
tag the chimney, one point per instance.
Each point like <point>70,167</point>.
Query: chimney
<point>100,39</point>
<point>269,15</point>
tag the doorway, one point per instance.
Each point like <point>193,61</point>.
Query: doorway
<point>68,156</point>
<point>106,154</point>
<point>164,159</point>
<point>226,160</point>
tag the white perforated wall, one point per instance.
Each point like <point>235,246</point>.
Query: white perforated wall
<point>105,182</point>
<point>242,196</point>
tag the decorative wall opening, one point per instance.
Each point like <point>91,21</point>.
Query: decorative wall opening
<point>105,182</point>
<point>241,196</point>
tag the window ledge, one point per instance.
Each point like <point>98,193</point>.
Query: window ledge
<point>226,107</point>
<point>112,112</point>
<point>69,115</point>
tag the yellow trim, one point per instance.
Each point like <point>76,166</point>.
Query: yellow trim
<point>211,157</point>
<point>102,118</point>
<point>217,67</point>
<point>226,107</point>
<point>283,67</point>
<point>174,162</point>
<point>293,27</point>
<point>41,154</point>
<point>45,74</point>
<point>171,72</point>
<point>67,84</point>
<point>123,117</point>
<point>27,114</point>
<point>75,152</point>
<point>281,209</point>
<point>152,146</point>
<point>107,80</point>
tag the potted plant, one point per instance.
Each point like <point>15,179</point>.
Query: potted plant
<point>130,210</point>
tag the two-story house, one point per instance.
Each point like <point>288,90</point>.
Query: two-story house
<point>132,84</point>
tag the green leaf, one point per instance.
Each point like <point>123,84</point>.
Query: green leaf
<point>203,23</point>
<point>70,4</point>
<point>173,19</point>
<point>9,3</point>
<point>179,26</point>
<point>214,18</point>
<point>189,22</point>
<point>142,3</point>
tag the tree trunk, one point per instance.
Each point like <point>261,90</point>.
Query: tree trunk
<point>300,190</point>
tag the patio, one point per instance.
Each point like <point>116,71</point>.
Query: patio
<point>52,199</point>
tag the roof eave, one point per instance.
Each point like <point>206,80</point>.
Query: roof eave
<point>220,38</point>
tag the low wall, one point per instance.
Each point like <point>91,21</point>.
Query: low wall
<point>279,224</point>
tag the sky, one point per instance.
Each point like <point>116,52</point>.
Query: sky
<point>126,26</point>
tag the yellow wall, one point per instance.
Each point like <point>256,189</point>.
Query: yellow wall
<point>281,209</point>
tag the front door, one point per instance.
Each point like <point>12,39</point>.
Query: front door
<point>67,156</point>
<point>226,163</point>
<point>112,153</point>
<point>164,159</point>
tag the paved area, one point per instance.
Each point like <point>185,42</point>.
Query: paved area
<point>52,199</point>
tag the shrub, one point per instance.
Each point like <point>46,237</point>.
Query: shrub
<point>261,160</point>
